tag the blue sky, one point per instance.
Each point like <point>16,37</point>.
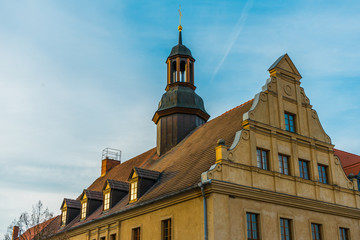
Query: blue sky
<point>79,76</point>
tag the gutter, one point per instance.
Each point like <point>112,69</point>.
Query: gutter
<point>204,181</point>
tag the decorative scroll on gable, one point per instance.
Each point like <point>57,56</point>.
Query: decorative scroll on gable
<point>282,94</point>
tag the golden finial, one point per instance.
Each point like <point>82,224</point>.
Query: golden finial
<point>180,15</point>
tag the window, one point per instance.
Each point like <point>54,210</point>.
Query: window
<point>262,159</point>
<point>316,231</point>
<point>289,122</point>
<point>133,191</point>
<point>106,201</point>
<point>284,164</point>
<point>113,237</point>
<point>304,169</point>
<point>322,174</point>
<point>102,238</point>
<point>285,229</point>
<point>83,210</point>
<point>166,229</point>
<point>63,217</point>
<point>344,234</point>
<point>252,226</point>
<point>136,234</point>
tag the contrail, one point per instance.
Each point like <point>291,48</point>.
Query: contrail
<point>235,34</point>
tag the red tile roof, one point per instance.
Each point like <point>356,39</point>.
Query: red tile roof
<point>40,229</point>
<point>350,162</point>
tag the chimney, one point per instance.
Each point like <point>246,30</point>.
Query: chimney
<point>111,158</point>
<point>15,232</point>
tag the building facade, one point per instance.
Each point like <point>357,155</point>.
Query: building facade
<point>263,170</point>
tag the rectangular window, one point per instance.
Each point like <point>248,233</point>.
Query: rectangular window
<point>252,226</point>
<point>133,191</point>
<point>63,217</point>
<point>284,164</point>
<point>344,234</point>
<point>113,237</point>
<point>83,210</point>
<point>262,159</point>
<point>107,201</point>
<point>304,169</point>
<point>316,231</point>
<point>136,234</point>
<point>166,229</point>
<point>322,174</point>
<point>289,122</point>
<point>285,229</point>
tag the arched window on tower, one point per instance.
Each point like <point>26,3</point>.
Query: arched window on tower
<point>182,71</point>
<point>173,72</point>
<point>191,73</point>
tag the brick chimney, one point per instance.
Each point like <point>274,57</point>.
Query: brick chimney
<point>111,158</point>
<point>15,233</point>
<point>108,164</point>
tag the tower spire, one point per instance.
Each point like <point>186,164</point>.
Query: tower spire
<point>180,27</point>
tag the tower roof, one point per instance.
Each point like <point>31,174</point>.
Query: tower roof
<point>180,49</point>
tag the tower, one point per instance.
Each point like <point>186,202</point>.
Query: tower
<point>180,109</point>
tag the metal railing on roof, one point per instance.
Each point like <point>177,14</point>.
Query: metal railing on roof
<point>111,153</point>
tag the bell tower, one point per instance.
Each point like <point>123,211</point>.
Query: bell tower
<point>180,109</point>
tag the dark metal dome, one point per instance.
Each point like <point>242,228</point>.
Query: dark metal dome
<point>180,49</point>
<point>183,97</point>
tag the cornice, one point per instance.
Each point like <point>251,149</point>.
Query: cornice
<point>266,196</point>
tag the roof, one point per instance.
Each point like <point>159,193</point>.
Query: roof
<point>95,195</point>
<point>180,49</point>
<point>145,173</point>
<point>42,228</point>
<point>118,185</point>
<point>70,203</point>
<point>350,162</point>
<point>180,167</point>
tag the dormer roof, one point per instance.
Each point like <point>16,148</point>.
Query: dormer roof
<point>144,173</point>
<point>116,185</point>
<point>70,203</point>
<point>92,195</point>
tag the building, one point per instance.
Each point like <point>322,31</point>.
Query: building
<point>263,170</point>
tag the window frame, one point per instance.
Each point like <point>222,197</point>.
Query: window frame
<point>301,168</point>
<point>167,236</point>
<point>136,233</point>
<point>249,216</point>
<point>133,194</point>
<point>315,230</point>
<point>281,166</point>
<point>106,204</point>
<point>283,229</point>
<point>347,233</point>
<point>260,164</point>
<point>83,212</point>
<point>288,122</point>
<point>323,174</point>
<point>63,218</point>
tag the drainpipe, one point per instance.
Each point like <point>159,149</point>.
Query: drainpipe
<point>201,185</point>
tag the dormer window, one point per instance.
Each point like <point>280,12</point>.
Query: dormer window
<point>63,217</point>
<point>140,181</point>
<point>133,191</point>
<point>83,209</point>
<point>70,209</point>
<point>113,192</point>
<point>90,201</point>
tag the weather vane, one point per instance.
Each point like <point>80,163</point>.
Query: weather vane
<point>180,15</point>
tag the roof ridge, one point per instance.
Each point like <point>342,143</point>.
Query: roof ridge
<point>241,105</point>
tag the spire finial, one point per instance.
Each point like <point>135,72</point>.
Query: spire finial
<point>180,15</point>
